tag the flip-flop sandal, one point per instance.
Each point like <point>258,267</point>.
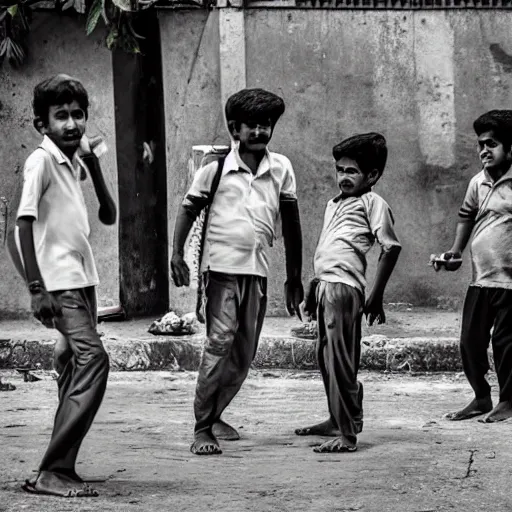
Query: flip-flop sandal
<point>85,492</point>
<point>342,449</point>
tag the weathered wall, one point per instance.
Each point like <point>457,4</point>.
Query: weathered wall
<point>191,78</point>
<point>420,78</point>
<point>58,45</point>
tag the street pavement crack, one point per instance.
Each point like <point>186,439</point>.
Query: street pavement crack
<point>471,471</point>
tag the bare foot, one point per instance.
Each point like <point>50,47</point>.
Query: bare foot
<point>69,475</point>
<point>338,445</point>
<point>476,407</point>
<point>326,428</point>
<point>55,484</point>
<point>221,430</point>
<point>205,443</point>
<point>502,412</point>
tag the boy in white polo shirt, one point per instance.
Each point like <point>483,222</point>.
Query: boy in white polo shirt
<point>56,260</point>
<point>486,216</point>
<point>255,186</point>
<point>353,220</point>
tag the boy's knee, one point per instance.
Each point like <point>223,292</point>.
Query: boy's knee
<point>219,344</point>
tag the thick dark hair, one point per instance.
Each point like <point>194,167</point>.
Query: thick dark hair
<point>499,122</point>
<point>58,90</point>
<point>254,105</point>
<point>369,150</point>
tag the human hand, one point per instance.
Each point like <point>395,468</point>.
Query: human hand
<point>310,304</point>
<point>450,261</point>
<point>374,310</point>
<point>45,307</point>
<point>294,295</point>
<point>180,271</point>
<point>92,145</point>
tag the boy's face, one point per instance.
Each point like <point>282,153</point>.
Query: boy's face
<point>351,180</point>
<point>254,135</point>
<point>493,154</point>
<point>66,126</point>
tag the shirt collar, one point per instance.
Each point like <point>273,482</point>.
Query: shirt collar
<point>48,145</point>
<point>234,163</point>
<point>505,177</point>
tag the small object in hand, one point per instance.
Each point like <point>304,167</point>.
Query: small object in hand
<point>447,260</point>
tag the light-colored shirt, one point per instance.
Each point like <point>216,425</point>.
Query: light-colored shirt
<point>243,215</point>
<point>351,226</point>
<point>489,205</point>
<point>53,197</point>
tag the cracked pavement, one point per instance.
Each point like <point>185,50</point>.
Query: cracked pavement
<point>137,452</point>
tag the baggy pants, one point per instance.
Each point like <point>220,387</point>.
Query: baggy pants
<point>339,314</point>
<point>82,381</point>
<point>486,309</point>
<point>235,310</point>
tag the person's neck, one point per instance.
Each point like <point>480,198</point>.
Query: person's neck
<point>497,174</point>
<point>251,158</point>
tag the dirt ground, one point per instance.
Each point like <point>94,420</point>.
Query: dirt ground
<point>409,459</point>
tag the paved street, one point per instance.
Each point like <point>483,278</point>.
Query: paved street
<point>410,460</point>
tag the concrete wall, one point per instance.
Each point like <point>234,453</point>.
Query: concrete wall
<point>420,78</point>
<point>193,115</point>
<point>58,44</point>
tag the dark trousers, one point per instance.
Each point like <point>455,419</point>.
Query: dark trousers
<point>340,309</point>
<point>486,309</point>
<point>82,381</point>
<point>235,309</point>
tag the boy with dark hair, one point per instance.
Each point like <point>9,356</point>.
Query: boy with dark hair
<point>486,215</point>
<point>353,220</point>
<point>50,248</point>
<point>255,186</point>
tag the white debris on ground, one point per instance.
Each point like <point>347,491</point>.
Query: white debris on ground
<point>174,325</point>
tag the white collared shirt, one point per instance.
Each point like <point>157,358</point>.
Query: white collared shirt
<point>53,197</point>
<point>489,205</point>
<point>243,215</point>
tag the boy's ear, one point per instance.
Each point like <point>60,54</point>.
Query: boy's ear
<point>232,129</point>
<point>39,125</point>
<point>373,177</point>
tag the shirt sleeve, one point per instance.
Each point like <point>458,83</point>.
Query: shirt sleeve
<point>289,186</point>
<point>382,223</point>
<point>35,182</point>
<point>469,207</point>
<point>201,184</point>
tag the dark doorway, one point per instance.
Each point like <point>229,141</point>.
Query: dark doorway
<point>139,108</point>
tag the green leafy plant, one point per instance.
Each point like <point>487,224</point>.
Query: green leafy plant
<point>118,17</point>
<point>14,27</point>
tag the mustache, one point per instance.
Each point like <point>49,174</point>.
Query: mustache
<point>72,135</point>
<point>261,138</point>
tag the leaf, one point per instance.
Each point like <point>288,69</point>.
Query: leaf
<point>67,5</point>
<point>12,10</point>
<point>93,16</point>
<point>112,38</point>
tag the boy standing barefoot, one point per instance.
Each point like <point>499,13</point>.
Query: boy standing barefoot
<point>486,215</point>
<point>353,220</point>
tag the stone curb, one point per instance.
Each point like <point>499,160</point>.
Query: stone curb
<point>426,354</point>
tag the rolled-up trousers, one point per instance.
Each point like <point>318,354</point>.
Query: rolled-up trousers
<point>84,367</point>
<point>234,311</point>
<point>339,314</point>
